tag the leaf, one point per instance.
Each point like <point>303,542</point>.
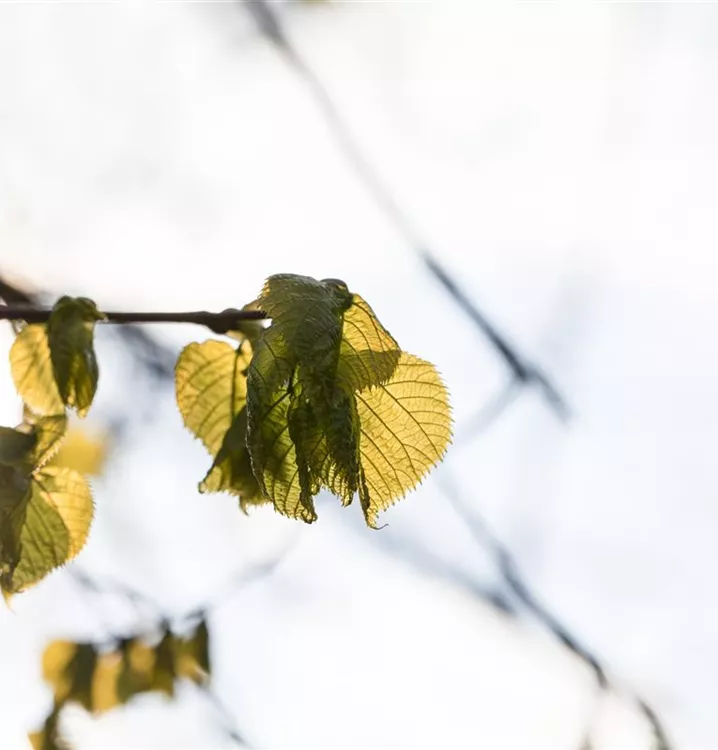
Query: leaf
<point>32,371</point>
<point>369,354</point>
<point>15,446</point>
<point>405,430</point>
<point>58,517</point>
<point>48,433</point>
<point>83,452</point>
<point>231,470</point>
<point>15,492</point>
<point>70,334</point>
<point>192,655</point>
<point>56,660</point>
<point>105,695</point>
<point>211,388</point>
<point>47,738</point>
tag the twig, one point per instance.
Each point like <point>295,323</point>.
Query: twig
<point>524,371</point>
<point>511,575</point>
<point>220,322</point>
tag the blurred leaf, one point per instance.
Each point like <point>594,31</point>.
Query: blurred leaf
<point>70,334</point>
<point>58,517</point>
<point>32,371</point>
<point>82,452</point>
<point>47,738</point>
<point>105,695</point>
<point>55,663</point>
<point>192,655</point>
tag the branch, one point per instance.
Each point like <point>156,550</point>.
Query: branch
<point>220,322</point>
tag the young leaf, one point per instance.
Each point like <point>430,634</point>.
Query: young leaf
<point>70,334</point>
<point>211,388</point>
<point>48,433</point>
<point>58,517</point>
<point>32,372</point>
<point>15,446</point>
<point>405,430</point>
<point>333,402</point>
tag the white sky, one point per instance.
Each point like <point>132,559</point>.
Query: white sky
<point>561,158</point>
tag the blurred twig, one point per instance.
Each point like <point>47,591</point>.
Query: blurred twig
<point>524,371</point>
<point>511,575</point>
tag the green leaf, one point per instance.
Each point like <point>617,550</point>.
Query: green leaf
<point>48,433</point>
<point>15,492</point>
<point>192,655</point>
<point>369,354</point>
<point>32,371</point>
<point>211,388</point>
<point>405,430</point>
<point>15,446</point>
<point>231,470</point>
<point>70,334</point>
<point>48,738</point>
<point>58,517</point>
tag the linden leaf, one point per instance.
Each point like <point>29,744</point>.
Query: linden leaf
<point>15,446</point>
<point>15,492</point>
<point>405,430</point>
<point>32,372</point>
<point>70,334</point>
<point>48,433</point>
<point>211,388</point>
<point>83,452</point>
<point>58,517</point>
<point>368,354</point>
<point>231,470</point>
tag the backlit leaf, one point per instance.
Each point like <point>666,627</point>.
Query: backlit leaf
<point>47,738</point>
<point>58,518</point>
<point>32,371</point>
<point>48,433</point>
<point>70,334</point>
<point>405,430</point>
<point>211,388</point>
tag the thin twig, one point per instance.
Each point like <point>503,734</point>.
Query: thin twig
<point>514,580</point>
<point>220,322</point>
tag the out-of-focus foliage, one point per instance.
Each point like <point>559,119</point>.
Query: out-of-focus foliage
<point>82,451</point>
<point>322,398</point>
<point>100,680</point>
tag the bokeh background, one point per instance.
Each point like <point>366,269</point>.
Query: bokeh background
<point>558,161</point>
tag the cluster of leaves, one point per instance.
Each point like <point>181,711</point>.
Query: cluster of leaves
<point>99,679</point>
<point>45,510</point>
<point>322,398</point>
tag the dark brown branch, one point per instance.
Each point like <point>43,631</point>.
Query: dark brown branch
<point>220,322</point>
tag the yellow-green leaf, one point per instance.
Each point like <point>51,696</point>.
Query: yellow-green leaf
<point>32,371</point>
<point>58,518</point>
<point>211,388</point>
<point>82,451</point>
<point>47,738</point>
<point>49,433</point>
<point>368,354</point>
<point>231,470</point>
<point>70,334</point>
<point>405,430</point>
<point>15,491</point>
